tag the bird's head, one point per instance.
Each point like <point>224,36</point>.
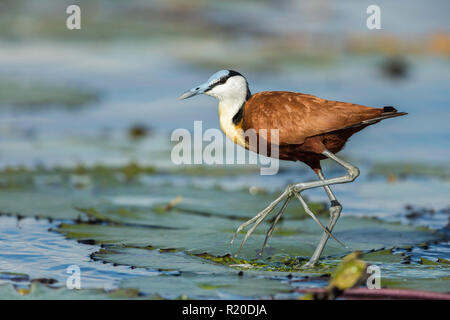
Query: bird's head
<point>222,85</point>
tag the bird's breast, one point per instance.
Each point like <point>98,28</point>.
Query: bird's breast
<point>234,132</point>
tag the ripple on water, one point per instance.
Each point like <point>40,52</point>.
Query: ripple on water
<point>30,251</point>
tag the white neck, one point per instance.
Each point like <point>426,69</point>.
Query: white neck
<point>232,95</point>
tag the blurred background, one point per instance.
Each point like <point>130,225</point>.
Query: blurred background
<point>130,61</point>
<point>106,95</point>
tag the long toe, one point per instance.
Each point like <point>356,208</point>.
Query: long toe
<point>258,218</point>
<point>310,264</point>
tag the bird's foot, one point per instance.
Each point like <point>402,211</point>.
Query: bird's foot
<point>290,192</point>
<point>256,220</point>
<point>310,264</point>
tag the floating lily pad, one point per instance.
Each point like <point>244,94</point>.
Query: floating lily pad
<point>187,241</point>
<point>212,243</point>
<point>158,260</point>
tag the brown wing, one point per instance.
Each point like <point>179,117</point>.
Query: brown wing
<point>298,116</point>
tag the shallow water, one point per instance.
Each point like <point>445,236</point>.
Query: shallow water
<point>27,247</point>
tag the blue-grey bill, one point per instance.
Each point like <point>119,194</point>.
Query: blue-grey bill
<point>186,95</point>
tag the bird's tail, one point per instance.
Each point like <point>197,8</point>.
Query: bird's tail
<point>388,112</point>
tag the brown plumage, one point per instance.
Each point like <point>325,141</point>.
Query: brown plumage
<point>308,125</point>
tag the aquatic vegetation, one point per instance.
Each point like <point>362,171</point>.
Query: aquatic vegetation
<point>43,292</point>
<point>349,273</point>
<point>402,170</point>
<point>33,96</point>
<point>395,67</point>
<point>185,232</point>
<point>138,131</point>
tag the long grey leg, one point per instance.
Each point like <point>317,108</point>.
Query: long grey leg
<point>288,194</point>
<point>296,189</point>
<point>312,215</point>
<point>352,174</point>
<point>335,211</point>
<point>278,216</point>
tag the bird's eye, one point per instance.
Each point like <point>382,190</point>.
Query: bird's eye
<point>222,80</point>
<point>216,83</point>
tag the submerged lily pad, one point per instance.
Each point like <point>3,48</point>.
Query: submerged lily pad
<point>41,291</point>
<point>115,194</point>
<point>157,260</point>
<point>198,286</point>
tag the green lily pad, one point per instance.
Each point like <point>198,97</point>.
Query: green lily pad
<point>417,283</point>
<point>186,231</point>
<point>403,170</point>
<point>198,286</point>
<point>157,260</point>
<point>194,244</point>
<point>38,291</point>
<point>382,256</point>
<point>116,195</point>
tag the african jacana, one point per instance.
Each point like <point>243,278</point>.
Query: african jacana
<point>310,129</point>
